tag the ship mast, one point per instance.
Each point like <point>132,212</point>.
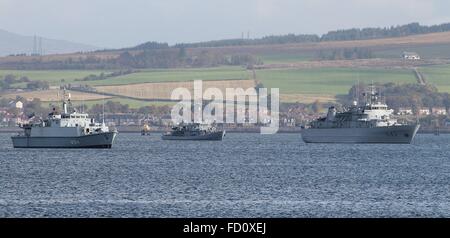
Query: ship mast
<point>103,110</point>
<point>64,100</point>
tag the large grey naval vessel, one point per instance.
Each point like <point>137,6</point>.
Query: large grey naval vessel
<point>370,123</point>
<point>65,130</point>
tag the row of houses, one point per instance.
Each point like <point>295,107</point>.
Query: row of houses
<point>12,114</point>
<point>425,111</point>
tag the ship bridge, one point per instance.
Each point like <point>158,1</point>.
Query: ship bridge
<point>377,111</point>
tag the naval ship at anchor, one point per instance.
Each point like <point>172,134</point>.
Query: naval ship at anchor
<point>65,130</point>
<point>194,131</point>
<point>370,123</point>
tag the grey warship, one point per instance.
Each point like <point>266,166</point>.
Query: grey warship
<point>65,130</point>
<point>194,131</point>
<point>370,123</point>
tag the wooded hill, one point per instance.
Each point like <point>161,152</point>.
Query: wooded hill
<point>433,41</point>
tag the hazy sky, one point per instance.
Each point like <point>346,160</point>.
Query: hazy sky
<point>119,23</point>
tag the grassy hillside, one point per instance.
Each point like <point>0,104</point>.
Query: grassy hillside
<point>326,81</point>
<point>438,76</point>
<point>164,90</point>
<point>52,76</point>
<point>145,76</point>
<point>303,85</point>
<point>293,68</point>
<point>174,75</point>
<point>425,51</point>
<point>435,45</point>
<point>131,103</point>
<point>431,45</point>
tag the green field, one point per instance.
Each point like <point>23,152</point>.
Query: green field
<point>52,76</point>
<point>175,75</point>
<point>145,76</point>
<point>319,82</point>
<point>327,81</point>
<point>393,52</point>
<point>438,76</point>
<point>131,103</point>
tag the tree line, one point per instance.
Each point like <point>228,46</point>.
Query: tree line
<point>173,58</point>
<point>346,54</point>
<point>149,58</point>
<point>103,76</point>
<point>9,80</point>
<point>338,35</point>
<point>267,40</point>
<point>375,33</point>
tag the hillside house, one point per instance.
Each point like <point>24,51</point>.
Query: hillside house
<point>405,111</point>
<point>425,111</point>
<point>439,111</point>
<point>19,105</point>
<point>410,56</point>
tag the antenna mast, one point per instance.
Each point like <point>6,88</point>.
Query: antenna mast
<point>34,45</point>
<point>103,109</point>
<point>357,91</point>
<point>40,46</point>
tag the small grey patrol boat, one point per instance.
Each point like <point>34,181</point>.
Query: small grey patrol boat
<point>194,131</point>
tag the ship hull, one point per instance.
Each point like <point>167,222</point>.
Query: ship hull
<point>217,136</point>
<point>386,135</point>
<point>100,140</point>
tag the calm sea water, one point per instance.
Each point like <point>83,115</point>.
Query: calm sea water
<point>246,175</point>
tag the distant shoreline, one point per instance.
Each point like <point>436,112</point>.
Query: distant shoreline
<point>283,130</point>
<point>138,130</point>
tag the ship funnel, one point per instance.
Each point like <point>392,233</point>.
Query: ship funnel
<point>331,113</point>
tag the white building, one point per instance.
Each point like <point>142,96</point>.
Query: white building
<point>439,111</point>
<point>405,111</point>
<point>19,105</point>
<point>410,56</point>
<point>424,111</point>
